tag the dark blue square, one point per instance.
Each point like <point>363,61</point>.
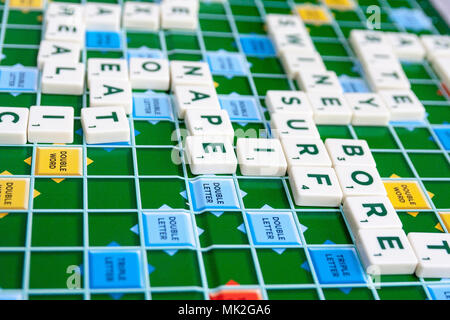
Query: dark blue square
<point>337,266</point>
<point>103,40</point>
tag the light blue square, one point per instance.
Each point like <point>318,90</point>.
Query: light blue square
<point>439,292</point>
<point>273,228</point>
<point>144,52</point>
<point>152,106</point>
<point>103,40</point>
<point>168,229</point>
<point>411,19</point>
<point>337,266</point>
<point>114,269</point>
<point>351,84</point>
<point>18,79</point>
<point>213,194</point>
<point>240,109</point>
<point>253,45</point>
<point>226,64</point>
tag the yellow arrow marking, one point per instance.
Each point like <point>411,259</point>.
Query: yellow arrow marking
<point>89,161</point>
<point>439,227</point>
<point>6,173</point>
<point>413,214</point>
<point>58,180</point>
<point>430,194</point>
<point>28,161</point>
<point>394,176</point>
<point>36,193</point>
<point>2,215</point>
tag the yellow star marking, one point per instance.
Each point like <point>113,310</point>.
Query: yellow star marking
<point>446,219</point>
<point>413,214</point>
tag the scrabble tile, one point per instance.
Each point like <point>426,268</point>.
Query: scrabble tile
<point>315,186</point>
<point>314,14</point>
<point>141,16</point>
<point>115,269</point>
<point>319,81</point>
<point>295,62</point>
<point>370,213</point>
<point>278,22</point>
<point>190,73</point>
<point>368,109</point>
<point>383,56</point>
<point>58,51</point>
<point>406,195</point>
<point>386,251</point>
<point>386,78</point>
<point>293,102</point>
<point>305,152</point>
<point>209,123</point>
<point>63,30</point>
<point>406,46</point>
<point>277,228</point>
<point>441,66</point>
<point>59,162</point>
<point>179,15</point>
<point>330,108</point>
<point>105,125</point>
<point>63,78</point>
<point>13,125</point>
<point>102,16</point>
<point>168,229</point>
<point>210,155</point>
<point>194,3</point>
<point>195,98</point>
<point>403,105</point>
<point>360,39</point>
<point>50,124</point>
<point>337,265</point>
<point>433,252</point>
<point>362,181</point>
<point>349,152</point>
<point>14,193</point>
<point>65,11</point>
<point>292,40</point>
<point>107,68</point>
<point>436,46</point>
<point>151,74</point>
<point>213,194</point>
<point>111,92</point>
<point>260,157</point>
<point>292,125</point>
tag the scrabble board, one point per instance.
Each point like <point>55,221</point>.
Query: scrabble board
<point>135,211</point>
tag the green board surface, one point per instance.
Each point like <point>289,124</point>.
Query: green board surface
<point>45,251</point>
